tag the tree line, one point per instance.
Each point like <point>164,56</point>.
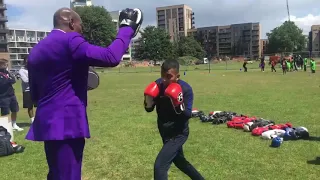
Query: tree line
<point>155,42</point>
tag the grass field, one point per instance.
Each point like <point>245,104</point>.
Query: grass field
<point>125,140</point>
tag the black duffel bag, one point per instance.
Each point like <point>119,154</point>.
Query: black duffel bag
<point>6,147</point>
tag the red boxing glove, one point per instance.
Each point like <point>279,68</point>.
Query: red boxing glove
<point>151,92</point>
<point>174,92</point>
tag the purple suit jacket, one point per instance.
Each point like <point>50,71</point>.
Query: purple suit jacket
<point>58,76</point>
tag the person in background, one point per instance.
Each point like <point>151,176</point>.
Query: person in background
<point>273,64</point>
<point>313,65</point>
<point>27,102</point>
<point>245,62</point>
<point>305,62</point>
<point>262,64</point>
<point>8,100</point>
<point>288,65</point>
<point>284,67</point>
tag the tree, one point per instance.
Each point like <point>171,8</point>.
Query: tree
<point>98,28</point>
<point>188,46</point>
<point>155,44</point>
<point>286,38</point>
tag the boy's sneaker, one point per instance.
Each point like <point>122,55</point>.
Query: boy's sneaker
<point>16,128</point>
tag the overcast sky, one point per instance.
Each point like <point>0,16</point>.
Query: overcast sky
<point>37,14</point>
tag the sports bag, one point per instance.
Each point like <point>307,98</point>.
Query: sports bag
<point>6,148</point>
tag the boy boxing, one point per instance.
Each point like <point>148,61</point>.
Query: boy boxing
<point>173,99</point>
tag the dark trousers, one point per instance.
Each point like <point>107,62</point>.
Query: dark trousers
<point>9,104</point>
<point>313,71</point>
<point>305,67</point>
<point>172,152</point>
<point>273,69</point>
<point>245,68</point>
<point>64,159</point>
<point>284,70</point>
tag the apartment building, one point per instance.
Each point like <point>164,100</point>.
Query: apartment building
<point>3,32</point>
<point>81,3</point>
<point>21,42</point>
<point>176,20</point>
<point>231,40</point>
<point>264,45</point>
<point>115,18</point>
<point>314,38</point>
<point>135,43</point>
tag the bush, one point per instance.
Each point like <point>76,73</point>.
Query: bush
<point>187,60</point>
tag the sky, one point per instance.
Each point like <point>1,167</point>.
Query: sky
<point>37,14</point>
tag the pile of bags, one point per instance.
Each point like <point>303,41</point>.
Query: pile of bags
<point>266,129</point>
<point>6,146</point>
<point>216,117</point>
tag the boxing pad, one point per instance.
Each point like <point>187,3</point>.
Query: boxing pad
<point>272,134</point>
<point>174,92</point>
<point>132,18</point>
<point>93,79</point>
<point>302,133</point>
<point>247,126</point>
<point>150,92</point>
<point>195,113</point>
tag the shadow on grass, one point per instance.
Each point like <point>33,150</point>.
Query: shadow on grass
<point>22,125</point>
<point>313,138</point>
<point>316,161</point>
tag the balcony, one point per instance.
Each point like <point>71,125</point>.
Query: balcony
<point>224,47</point>
<point>31,39</point>
<point>224,37</point>
<point>256,28</point>
<point>3,41</point>
<point>224,32</point>
<point>3,7</point>
<point>224,42</point>
<point>161,17</point>
<point>40,38</point>
<point>161,13</point>
<point>11,38</point>
<point>4,30</point>
<point>3,19</point>
<point>21,39</point>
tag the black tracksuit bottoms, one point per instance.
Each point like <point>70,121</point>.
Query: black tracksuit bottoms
<point>172,152</point>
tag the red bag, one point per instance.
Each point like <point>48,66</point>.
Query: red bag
<point>259,130</point>
<point>280,126</point>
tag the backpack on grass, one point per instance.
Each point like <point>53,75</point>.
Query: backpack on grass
<point>6,147</point>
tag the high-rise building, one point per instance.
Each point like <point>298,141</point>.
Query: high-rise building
<point>176,20</point>
<point>135,43</point>
<point>3,32</point>
<point>314,38</point>
<point>115,19</point>
<point>235,39</point>
<point>21,42</point>
<point>264,46</point>
<point>77,3</point>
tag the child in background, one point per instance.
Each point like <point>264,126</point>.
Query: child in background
<point>313,66</point>
<point>284,66</point>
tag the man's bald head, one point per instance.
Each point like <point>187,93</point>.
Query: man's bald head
<point>67,19</point>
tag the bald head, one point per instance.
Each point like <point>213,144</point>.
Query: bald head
<point>66,19</point>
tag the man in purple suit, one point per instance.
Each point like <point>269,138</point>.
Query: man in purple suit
<point>58,77</point>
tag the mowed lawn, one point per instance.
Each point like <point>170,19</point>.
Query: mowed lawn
<point>125,139</point>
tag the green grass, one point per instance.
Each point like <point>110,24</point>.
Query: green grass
<point>125,140</point>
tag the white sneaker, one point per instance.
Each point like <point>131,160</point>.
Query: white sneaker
<point>17,128</point>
